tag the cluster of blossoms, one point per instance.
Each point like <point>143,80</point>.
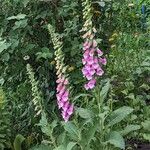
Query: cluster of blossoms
<point>63,98</point>
<point>92,62</point>
<point>92,55</point>
<point>62,80</point>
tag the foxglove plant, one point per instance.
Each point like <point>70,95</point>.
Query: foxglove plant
<point>62,78</point>
<point>92,55</point>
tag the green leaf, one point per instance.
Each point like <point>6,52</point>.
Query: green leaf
<point>119,114</point>
<point>84,113</point>
<point>102,4</point>
<point>72,130</point>
<point>41,147</point>
<point>47,128</point>
<point>61,147</point>
<point>43,121</point>
<point>146,136</point>
<point>3,45</point>
<point>81,95</point>
<point>20,24</point>
<point>25,2</point>
<point>146,125</point>
<point>105,89</point>
<point>45,53</point>
<point>5,57</point>
<point>88,135</point>
<point>18,141</point>
<point>116,139</point>
<point>18,17</point>
<point>71,145</point>
<point>129,129</point>
<point>2,81</point>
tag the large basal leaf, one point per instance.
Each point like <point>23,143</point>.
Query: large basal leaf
<point>72,130</point>
<point>89,134</point>
<point>129,129</point>
<point>84,113</point>
<point>45,126</point>
<point>118,115</point>
<point>71,145</point>
<point>116,139</point>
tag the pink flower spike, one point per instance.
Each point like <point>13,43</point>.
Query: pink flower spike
<point>84,48</point>
<point>83,61</point>
<point>88,67</point>
<point>58,80</point>
<point>92,71</point>
<point>65,116</point>
<point>89,44</point>
<point>84,71</point>
<point>66,106</point>
<point>60,104</point>
<point>65,96</point>
<point>66,93</point>
<point>58,97</point>
<point>95,65</point>
<point>62,90</point>
<point>91,53</point>
<point>66,81</point>
<point>90,61</point>
<point>89,77</point>
<point>94,43</point>
<point>70,110</point>
<point>85,43</point>
<point>86,86</point>
<point>95,60</point>
<point>103,61</point>
<point>59,87</point>
<point>100,53</point>
<point>92,83</point>
<point>100,72</point>
<point>86,54</point>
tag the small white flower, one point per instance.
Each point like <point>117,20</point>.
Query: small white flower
<point>26,57</point>
<point>130,5</point>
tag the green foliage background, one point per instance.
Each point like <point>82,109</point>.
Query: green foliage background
<point>123,35</point>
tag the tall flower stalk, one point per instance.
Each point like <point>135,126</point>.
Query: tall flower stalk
<point>37,99</point>
<point>62,78</point>
<point>92,55</point>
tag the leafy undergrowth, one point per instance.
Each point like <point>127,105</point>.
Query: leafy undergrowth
<point>74,75</point>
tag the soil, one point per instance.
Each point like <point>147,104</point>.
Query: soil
<point>138,145</point>
<point>144,147</point>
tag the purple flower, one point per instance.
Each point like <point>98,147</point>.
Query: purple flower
<point>100,53</point>
<point>67,111</point>
<point>70,109</point>
<point>63,97</point>
<point>103,61</point>
<point>90,84</point>
<point>92,62</point>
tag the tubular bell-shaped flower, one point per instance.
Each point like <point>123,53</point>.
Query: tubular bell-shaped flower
<point>92,55</point>
<point>62,78</point>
